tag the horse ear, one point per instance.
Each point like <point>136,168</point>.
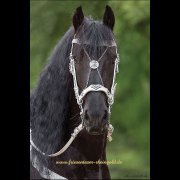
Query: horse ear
<point>78,18</point>
<point>109,19</point>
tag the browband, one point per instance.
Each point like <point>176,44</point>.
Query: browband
<point>106,43</point>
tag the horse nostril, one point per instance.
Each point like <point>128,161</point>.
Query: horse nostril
<point>105,116</point>
<point>86,116</point>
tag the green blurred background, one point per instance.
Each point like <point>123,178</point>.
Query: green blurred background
<point>49,20</point>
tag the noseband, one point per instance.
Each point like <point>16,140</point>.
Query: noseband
<point>93,64</point>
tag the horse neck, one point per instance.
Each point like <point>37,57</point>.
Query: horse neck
<point>92,147</point>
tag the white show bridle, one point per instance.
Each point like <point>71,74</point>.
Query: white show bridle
<point>94,64</point>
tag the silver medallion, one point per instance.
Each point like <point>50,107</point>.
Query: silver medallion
<point>94,64</point>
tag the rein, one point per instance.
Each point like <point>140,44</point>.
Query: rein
<point>73,136</point>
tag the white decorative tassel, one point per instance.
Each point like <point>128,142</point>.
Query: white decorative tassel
<point>110,131</point>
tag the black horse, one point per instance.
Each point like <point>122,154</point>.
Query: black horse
<point>54,112</point>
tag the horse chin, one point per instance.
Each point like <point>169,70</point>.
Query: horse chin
<point>95,133</point>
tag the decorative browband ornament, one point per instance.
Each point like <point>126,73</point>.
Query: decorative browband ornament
<point>94,64</point>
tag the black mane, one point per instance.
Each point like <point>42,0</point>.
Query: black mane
<point>49,106</point>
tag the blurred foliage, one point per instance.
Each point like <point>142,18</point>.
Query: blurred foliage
<point>49,20</point>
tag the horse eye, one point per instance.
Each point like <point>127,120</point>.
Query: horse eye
<point>114,56</point>
<point>74,57</point>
